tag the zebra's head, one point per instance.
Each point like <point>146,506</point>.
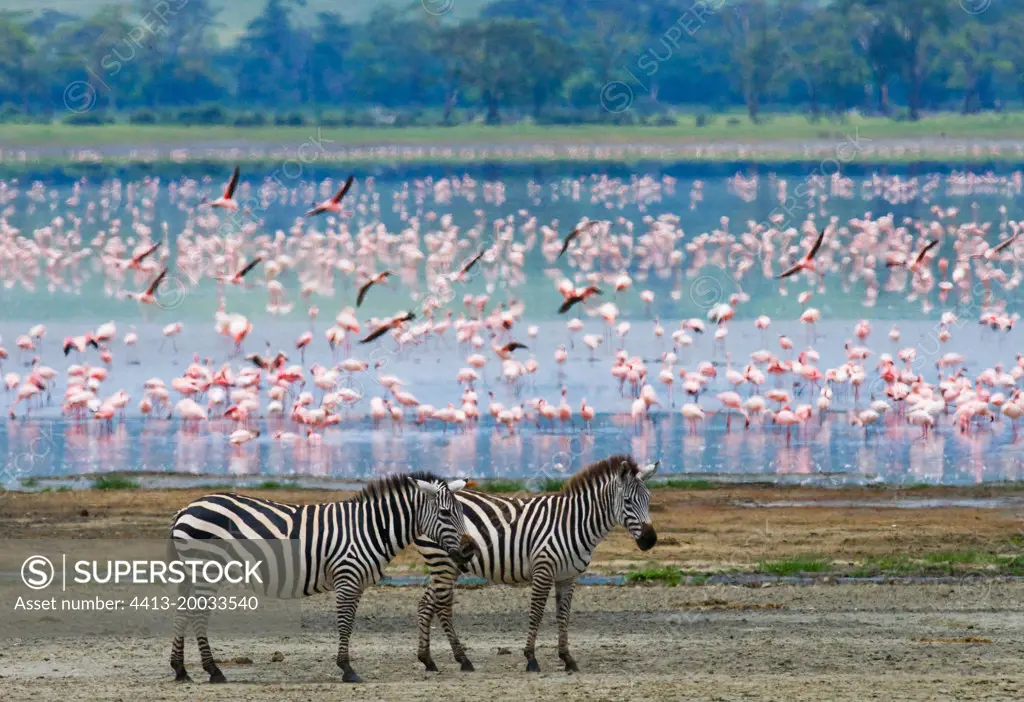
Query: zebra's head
<point>440,517</point>
<point>636,506</point>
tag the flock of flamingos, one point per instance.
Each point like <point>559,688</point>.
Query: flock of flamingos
<point>467,294</point>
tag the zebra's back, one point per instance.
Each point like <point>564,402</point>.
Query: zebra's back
<point>295,544</point>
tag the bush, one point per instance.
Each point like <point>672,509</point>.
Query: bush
<point>360,118</point>
<point>663,121</point>
<point>142,117</point>
<point>292,119</point>
<point>733,121</point>
<point>11,113</point>
<point>207,114</point>
<point>331,120</point>
<point>250,119</point>
<point>92,117</point>
<point>705,120</point>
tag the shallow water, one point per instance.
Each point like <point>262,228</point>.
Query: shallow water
<point>558,197</point>
<point>833,452</point>
<point>830,453</point>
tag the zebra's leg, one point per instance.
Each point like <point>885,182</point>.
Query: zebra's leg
<point>542,581</point>
<point>202,617</point>
<point>346,597</point>
<point>445,605</point>
<point>425,613</point>
<point>563,600</point>
<point>178,648</point>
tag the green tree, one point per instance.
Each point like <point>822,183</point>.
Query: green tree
<point>912,32</point>
<point>753,37</point>
<point>19,71</point>
<point>823,57</point>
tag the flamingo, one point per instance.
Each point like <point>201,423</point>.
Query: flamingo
<point>226,200</point>
<point>333,205</point>
<point>807,262</point>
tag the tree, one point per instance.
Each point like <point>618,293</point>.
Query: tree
<point>822,56</point>
<point>271,58</point>
<point>973,54</point>
<point>18,68</point>
<point>181,55</point>
<point>910,31</point>
<point>332,40</point>
<point>755,48</point>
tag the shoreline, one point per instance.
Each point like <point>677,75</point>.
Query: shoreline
<point>383,163</point>
<point>784,139</point>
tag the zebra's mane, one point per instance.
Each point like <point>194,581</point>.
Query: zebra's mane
<point>391,483</point>
<point>612,466</point>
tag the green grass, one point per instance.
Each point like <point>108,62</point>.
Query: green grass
<point>954,561</point>
<point>551,484</point>
<point>501,486</point>
<point>885,565</point>
<point>30,482</point>
<point>792,128</point>
<point>668,575</point>
<point>796,565</point>
<point>939,563</point>
<point>113,482</point>
<point>275,485</point>
<point>685,484</point>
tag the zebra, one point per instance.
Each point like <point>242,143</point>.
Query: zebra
<point>547,539</point>
<point>343,546</point>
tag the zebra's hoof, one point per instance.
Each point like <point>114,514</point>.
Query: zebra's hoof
<point>181,676</point>
<point>571,667</point>
<point>218,677</point>
<point>350,677</point>
<point>430,666</point>
<point>467,666</point>
<point>532,666</point>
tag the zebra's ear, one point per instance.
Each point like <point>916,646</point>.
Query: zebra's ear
<point>457,485</point>
<point>648,470</point>
<point>428,488</point>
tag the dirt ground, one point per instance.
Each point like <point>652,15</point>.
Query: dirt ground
<point>713,642</point>
<point>701,530</point>
<point>899,641</point>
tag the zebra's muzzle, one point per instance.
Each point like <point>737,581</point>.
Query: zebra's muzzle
<point>648,537</point>
<point>466,550</point>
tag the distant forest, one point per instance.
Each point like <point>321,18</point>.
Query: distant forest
<point>550,61</point>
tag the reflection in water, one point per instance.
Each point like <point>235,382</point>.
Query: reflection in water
<point>833,451</point>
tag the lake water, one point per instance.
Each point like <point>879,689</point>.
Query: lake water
<point>48,445</point>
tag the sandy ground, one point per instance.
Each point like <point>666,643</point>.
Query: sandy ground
<point>960,640</point>
<point>698,530</point>
<point>846,642</point>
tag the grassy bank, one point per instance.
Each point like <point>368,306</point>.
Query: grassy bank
<point>776,128</point>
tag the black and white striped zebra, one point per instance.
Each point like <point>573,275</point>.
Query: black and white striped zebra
<point>308,549</point>
<point>546,539</point>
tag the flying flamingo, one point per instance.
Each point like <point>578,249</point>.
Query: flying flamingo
<point>333,205</point>
<point>226,200</point>
<point>807,262</point>
<point>148,296</point>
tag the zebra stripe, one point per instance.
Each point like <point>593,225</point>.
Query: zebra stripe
<point>547,540</point>
<point>309,549</point>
